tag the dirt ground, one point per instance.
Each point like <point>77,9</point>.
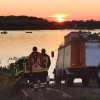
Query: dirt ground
<point>78,92</point>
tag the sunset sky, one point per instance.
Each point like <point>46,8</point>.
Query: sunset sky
<point>71,9</point>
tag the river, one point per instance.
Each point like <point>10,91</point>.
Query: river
<point>20,43</point>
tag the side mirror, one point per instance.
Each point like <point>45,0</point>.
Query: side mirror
<point>52,54</point>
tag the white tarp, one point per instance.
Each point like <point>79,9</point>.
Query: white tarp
<point>61,58</point>
<point>67,57</point>
<point>92,54</point>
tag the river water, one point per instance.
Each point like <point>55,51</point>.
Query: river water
<point>20,43</point>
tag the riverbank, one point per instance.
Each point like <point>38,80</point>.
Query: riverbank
<point>34,23</point>
<point>7,90</point>
<point>11,90</point>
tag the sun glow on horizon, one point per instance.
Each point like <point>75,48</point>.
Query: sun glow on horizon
<point>60,17</point>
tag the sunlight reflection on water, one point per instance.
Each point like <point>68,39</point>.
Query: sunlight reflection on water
<point>20,43</point>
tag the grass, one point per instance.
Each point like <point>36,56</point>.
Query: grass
<point>8,90</point>
<point>88,96</point>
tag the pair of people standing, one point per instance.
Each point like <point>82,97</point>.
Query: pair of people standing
<point>39,64</point>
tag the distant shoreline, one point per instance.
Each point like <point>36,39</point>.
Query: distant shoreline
<point>34,23</point>
<point>47,29</point>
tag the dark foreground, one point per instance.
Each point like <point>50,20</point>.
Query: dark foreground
<point>12,89</point>
<point>78,92</point>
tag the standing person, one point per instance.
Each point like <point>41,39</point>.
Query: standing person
<point>48,61</point>
<point>33,64</point>
<point>45,63</point>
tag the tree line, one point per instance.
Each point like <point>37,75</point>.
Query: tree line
<point>35,23</point>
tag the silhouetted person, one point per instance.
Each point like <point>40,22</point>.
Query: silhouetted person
<point>46,62</point>
<point>33,63</point>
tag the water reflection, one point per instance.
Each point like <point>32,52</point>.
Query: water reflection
<point>19,43</point>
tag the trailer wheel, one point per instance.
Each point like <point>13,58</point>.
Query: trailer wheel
<point>98,81</point>
<point>57,81</point>
<point>85,81</point>
<point>69,81</point>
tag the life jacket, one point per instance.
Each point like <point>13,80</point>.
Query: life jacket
<point>43,62</point>
<point>35,57</point>
<point>37,62</point>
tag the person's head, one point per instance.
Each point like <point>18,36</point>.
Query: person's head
<point>43,51</point>
<point>34,49</point>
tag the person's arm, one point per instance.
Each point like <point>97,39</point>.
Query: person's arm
<point>49,62</point>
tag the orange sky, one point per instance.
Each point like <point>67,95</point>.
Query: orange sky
<point>76,9</point>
